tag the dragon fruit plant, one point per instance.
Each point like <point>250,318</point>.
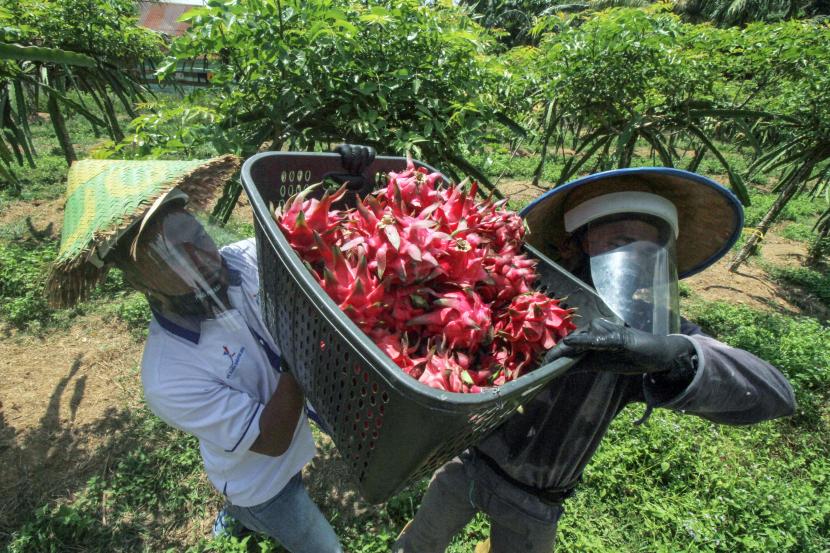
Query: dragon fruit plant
<point>434,277</point>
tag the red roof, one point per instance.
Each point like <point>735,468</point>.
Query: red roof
<point>163,17</point>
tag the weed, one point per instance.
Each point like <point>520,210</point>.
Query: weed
<point>135,312</point>
<point>23,270</point>
<point>815,283</point>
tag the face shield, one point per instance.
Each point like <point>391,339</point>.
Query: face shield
<point>632,260</point>
<point>177,263</point>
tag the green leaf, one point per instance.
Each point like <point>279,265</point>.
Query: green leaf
<point>44,55</point>
<point>735,180</point>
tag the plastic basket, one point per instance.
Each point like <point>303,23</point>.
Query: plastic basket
<point>389,429</point>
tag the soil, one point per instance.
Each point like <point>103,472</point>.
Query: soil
<point>66,396</point>
<point>63,399</point>
<point>521,190</point>
<point>751,285</point>
<point>41,219</point>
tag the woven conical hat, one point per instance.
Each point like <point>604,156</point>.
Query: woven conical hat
<point>105,197</point>
<point>710,217</point>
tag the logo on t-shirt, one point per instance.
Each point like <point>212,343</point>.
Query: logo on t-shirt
<point>235,358</point>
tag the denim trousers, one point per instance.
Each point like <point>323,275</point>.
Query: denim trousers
<point>292,518</point>
<point>519,521</point>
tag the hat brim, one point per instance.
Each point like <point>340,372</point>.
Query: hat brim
<point>710,217</point>
<point>72,278</point>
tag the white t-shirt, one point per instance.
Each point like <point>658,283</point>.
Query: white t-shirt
<point>214,384</point>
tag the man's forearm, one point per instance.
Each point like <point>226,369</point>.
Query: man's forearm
<point>279,418</point>
<point>731,386</point>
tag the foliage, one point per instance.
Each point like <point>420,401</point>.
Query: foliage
<point>726,13</point>
<point>102,29</point>
<point>23,269</point>
<point>626,75</point>
<point>790,95</point>
<point>699,487</point>
<point>135,312</point>
<point>169,127</point>
<point>159,478</point>
<point>515,18</point>
<point>694,485</point>
<point>401,77</point>
<point>816,283</point>
<point>87,45</point>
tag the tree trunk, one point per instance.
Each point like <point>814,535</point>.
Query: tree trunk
<point>59,125</point>
<point>549,126</point>
<point>819,247</point>
<point>771,216</point>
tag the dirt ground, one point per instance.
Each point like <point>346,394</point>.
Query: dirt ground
<point>65,396</point>
<point>63,399</point>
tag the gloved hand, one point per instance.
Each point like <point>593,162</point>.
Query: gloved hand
<point>630,351</point>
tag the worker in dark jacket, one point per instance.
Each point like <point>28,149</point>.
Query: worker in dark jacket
<point>629,233</point>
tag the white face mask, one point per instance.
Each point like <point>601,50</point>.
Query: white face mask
<point>633,268</point>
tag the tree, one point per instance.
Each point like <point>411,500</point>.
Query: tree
<point>401,76</point>
<point>796,99</point>
<point>625,76</point>
<point>727,13</point>
<point>55,48</point>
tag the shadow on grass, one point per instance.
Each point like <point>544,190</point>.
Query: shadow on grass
<point>126,481</point>
<point>52,461</point>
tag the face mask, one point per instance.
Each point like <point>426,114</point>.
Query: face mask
<point>632,267</point>
<point>176,260</point>
<point>197,303</point>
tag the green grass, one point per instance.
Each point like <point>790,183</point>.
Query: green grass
<point>815,283</point>
<point>676,484</point>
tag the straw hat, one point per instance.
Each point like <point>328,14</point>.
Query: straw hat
<point>710,217</point>
<point>104,198</point>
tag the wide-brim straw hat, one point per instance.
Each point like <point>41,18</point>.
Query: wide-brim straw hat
<point>710,217</point>
<point>104,198</point>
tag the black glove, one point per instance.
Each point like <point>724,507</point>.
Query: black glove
<point>630,351</point>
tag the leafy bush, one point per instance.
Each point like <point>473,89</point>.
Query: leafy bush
<point>400,77</point>
<point>105,29</point>
<point>623,76</point>
<point>56,46</point>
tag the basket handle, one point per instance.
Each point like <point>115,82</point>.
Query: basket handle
<point>355,159</point>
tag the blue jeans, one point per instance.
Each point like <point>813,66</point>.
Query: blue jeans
<point>292,518</point>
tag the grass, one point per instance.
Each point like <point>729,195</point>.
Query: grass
<point>815,283</point>
<point>676,484</point>
<point>693,485</point>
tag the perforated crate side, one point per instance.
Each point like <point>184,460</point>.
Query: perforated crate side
<point>389,430</point>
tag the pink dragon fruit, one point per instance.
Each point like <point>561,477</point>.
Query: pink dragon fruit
<point>436,278</point>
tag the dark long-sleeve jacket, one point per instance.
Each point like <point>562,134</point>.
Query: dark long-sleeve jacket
<point>549,443</point>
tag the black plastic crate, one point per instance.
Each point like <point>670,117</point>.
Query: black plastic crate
<point>389,428</point>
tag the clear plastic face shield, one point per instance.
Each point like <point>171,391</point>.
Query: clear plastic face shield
<point>178,264</point>
<point>632,259</point>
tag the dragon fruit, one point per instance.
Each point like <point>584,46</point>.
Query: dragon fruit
<point>435,277</point>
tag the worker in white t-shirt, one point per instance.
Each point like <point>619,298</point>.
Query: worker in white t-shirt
<point>210,367</point>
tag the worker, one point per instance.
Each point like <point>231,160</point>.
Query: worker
<point>630,234</point>
<point>210,367</point>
